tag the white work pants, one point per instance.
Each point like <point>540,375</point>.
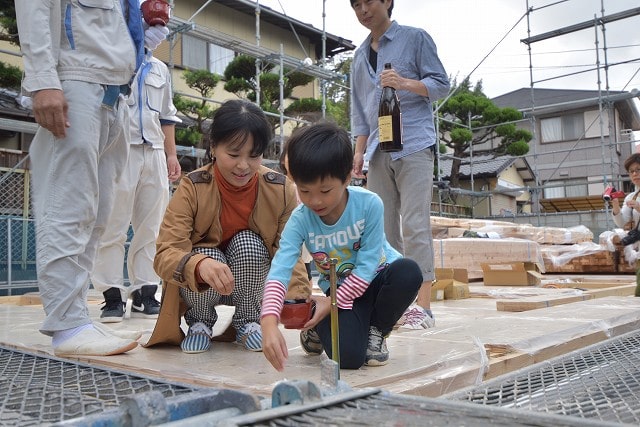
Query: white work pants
<point>73,183</point>
<point>142,196</point>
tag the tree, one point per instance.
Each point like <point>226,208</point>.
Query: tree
<point>470,118</point>
<point>338,93</point>
<point>8,24</point>
<point>240,76</point>
<point>10,76</point>
<point>196,111</point>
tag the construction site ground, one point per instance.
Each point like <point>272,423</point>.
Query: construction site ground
<point>474,339</point>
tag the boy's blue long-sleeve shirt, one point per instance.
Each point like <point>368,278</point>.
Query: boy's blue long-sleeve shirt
<point>356,240</point>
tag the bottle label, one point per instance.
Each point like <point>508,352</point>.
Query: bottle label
<point>385,128</point>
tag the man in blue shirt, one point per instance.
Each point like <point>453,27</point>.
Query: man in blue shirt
<point>402,179</point>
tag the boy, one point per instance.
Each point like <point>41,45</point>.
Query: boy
<point>375,284</point>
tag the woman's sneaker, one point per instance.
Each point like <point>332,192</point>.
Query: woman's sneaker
<point>250,336</point>
<point>377,352</point>
<point>198,339</point>
<point>310,341</point>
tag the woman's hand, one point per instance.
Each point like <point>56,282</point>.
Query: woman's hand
<point>615,206</point>
<point>217,275</point>
<point>633,204</point>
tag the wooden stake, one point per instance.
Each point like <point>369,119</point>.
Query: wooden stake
<point>335,335</point>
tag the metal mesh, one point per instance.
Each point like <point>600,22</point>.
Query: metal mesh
<point>38,391</point>
<point>386,409</point>
<point>599,382</point>
<point>14,186</point>
<point>17,254</point>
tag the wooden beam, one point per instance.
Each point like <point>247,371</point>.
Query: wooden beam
<point>544,301</point>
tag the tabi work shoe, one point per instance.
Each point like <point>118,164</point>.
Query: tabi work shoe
<point>127,335</point>
<point>198,339</point>
<point>377,352</point>
<point>144,303</point>
<point>94,342</point>
<point>310,341</point>
<point>250,336</point>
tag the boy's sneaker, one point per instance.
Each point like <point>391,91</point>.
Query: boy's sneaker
<point>250,336</point>
<point>416,317</point>
<point>113,310</point>
<point>144,303</point>
<point>310,341</point>
<point>198,339</point>
<point>377,352</point>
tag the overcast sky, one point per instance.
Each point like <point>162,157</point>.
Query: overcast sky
<point>467,31</point>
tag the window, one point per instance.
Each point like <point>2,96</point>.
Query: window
<point>194,52</point>
<point>567,127</point>
<point>200,55</point>
<point>566,188</point>
<point>219,58</point>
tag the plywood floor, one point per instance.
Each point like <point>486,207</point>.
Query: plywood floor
<point>472,341</point>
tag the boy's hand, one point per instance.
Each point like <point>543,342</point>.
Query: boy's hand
<point>323,309</point>
<point>274,345</point>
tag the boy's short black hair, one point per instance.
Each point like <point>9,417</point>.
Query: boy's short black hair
<point>235,120</point>
<point>319,151</point>
<point>388,10</point>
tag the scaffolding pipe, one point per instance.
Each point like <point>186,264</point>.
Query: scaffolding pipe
<point>258,61</point>
<point>534,131</point>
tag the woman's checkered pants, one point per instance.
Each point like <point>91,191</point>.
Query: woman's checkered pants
<point>249,262</point>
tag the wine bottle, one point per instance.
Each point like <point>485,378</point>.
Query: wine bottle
<point>389,119</point>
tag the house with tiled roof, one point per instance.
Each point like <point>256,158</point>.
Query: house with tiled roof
<point>490,185</point>
<point>581,139</point>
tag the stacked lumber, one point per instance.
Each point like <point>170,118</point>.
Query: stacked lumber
<point>562,250</point>
<point>470,253</point>
<point>622,264</point>
<point>452,227</point>
<point>580,258</point>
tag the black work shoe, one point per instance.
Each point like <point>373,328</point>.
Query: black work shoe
<point>113,310</point>
<point>310,341</point>
<point>144,303</point>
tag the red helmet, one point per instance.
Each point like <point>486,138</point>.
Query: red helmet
<point>156,12</point>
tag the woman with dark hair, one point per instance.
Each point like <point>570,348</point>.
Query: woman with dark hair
<point>627,214</point>
<point>220,231</point>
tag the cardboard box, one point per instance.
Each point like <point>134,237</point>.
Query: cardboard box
<point>456,291</point>
<point>450,284</point>
<point>511,274</point>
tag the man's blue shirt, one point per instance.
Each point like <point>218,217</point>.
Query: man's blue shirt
<point>412,53</point>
